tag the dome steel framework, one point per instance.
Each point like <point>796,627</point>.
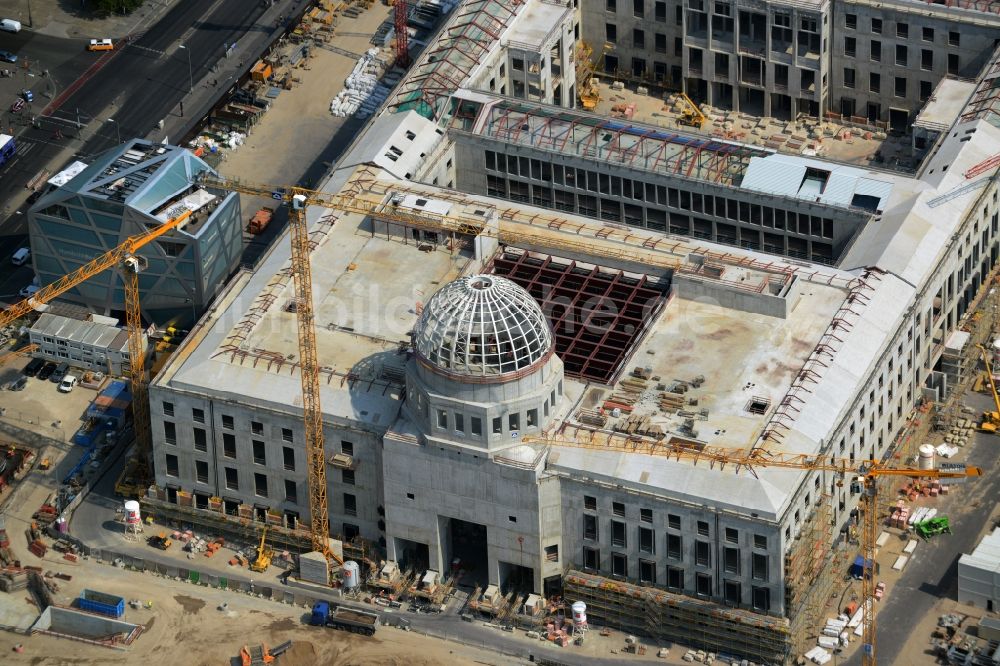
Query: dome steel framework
<point>482,326</point>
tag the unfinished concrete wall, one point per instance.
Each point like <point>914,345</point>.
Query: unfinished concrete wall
<point>730,296</point>
<point>71,623</point>
<point>211,448</point>
<point>426,486</point>
<point>887,57</point>
<point>693,550</point>
<point>661,202</point>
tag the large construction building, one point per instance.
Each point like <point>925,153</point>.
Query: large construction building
<point>528,273</point>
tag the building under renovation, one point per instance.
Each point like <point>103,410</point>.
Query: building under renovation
<point>532,287</point>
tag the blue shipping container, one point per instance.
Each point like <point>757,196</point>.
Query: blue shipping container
<point>103,604</point>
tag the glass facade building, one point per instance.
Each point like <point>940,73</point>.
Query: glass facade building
<point>126,191</point>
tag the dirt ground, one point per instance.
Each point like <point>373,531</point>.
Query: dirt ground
<point>188,617</point>
<point>298,128</point>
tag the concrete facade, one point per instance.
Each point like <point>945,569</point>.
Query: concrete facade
<point>979,574</point>
<point>874,62</point>
<point>212,448</point>
<point>660,202</point>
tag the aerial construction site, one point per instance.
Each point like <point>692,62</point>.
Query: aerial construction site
<point>641,330</point>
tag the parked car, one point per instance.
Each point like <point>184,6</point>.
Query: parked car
<point>29,291</point>
<point>18,384</point>
<point>7,56</point>
<point>59,373</point>
<point>67,383</point>
<point>20,258</point>
<point>27,95</point>
<point>10,25</point>
<point>34,365</point>
<point>47,370</point>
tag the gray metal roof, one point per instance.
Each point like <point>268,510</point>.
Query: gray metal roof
<point>84,332</point>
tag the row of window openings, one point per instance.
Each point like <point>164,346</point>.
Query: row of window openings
<point>902,55</point>
<point>228,422</point>
<point>229,446</point>
<point>741,211</point>
<point>875,84</point>
<point>733,590</point>
<point>902,30</point>
<point>674,543</point>
<point>732,535</point>
<point>639,10</point>
<point>476,424</point>
<point>232,481</point>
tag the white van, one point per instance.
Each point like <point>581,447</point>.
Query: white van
<point>10,25</point>
<point>20,258</point>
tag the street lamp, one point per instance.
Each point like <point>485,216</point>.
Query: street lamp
<point>118,131</point>
<point>190,71</point>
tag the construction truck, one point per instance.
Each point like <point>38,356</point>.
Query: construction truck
<point>991,420</point>
<point>691,115</point>
<point>343,618</point>
<point>264,554</point>
<point>260,220</point>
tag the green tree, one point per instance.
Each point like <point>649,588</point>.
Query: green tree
<point>118,6</point>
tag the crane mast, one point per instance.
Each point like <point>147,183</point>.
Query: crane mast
<point>309,374</point>
<point>131,264</point>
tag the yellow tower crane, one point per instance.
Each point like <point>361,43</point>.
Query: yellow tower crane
<point>991,420</point>
<point>867,471</point>
<point>127,259</point>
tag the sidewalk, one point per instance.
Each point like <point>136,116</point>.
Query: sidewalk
<point>58,18</point>
<point>195,106</point>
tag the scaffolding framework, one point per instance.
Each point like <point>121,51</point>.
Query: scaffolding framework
<point>677,618</point>
<point>810,574</point>
<point>460,47</point>
<point>629,144</point>
<point>593,341</point>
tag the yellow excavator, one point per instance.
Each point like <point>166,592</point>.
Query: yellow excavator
<point>991,420</point>
<point>264,554</point>
<point>691,115</point>
<point>589,93</point>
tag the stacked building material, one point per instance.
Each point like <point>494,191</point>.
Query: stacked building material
<point>13,580</point>
<point>313,568</point>
<point>591,417</point>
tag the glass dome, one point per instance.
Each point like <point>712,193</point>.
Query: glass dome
<point>482,326</point>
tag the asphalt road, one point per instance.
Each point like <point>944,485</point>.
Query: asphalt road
<point>94,523</point>
<point>933,573</point>
<point>138,85</point>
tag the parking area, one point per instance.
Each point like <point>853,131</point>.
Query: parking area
<point>40,406</point>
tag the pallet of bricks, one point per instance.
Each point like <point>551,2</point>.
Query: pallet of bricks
<point>33,534</point>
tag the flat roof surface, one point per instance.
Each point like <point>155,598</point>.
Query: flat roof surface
<point>741,356</point>
<point>367,292</point>
<point>945,105</point>
<point>536,23</point>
